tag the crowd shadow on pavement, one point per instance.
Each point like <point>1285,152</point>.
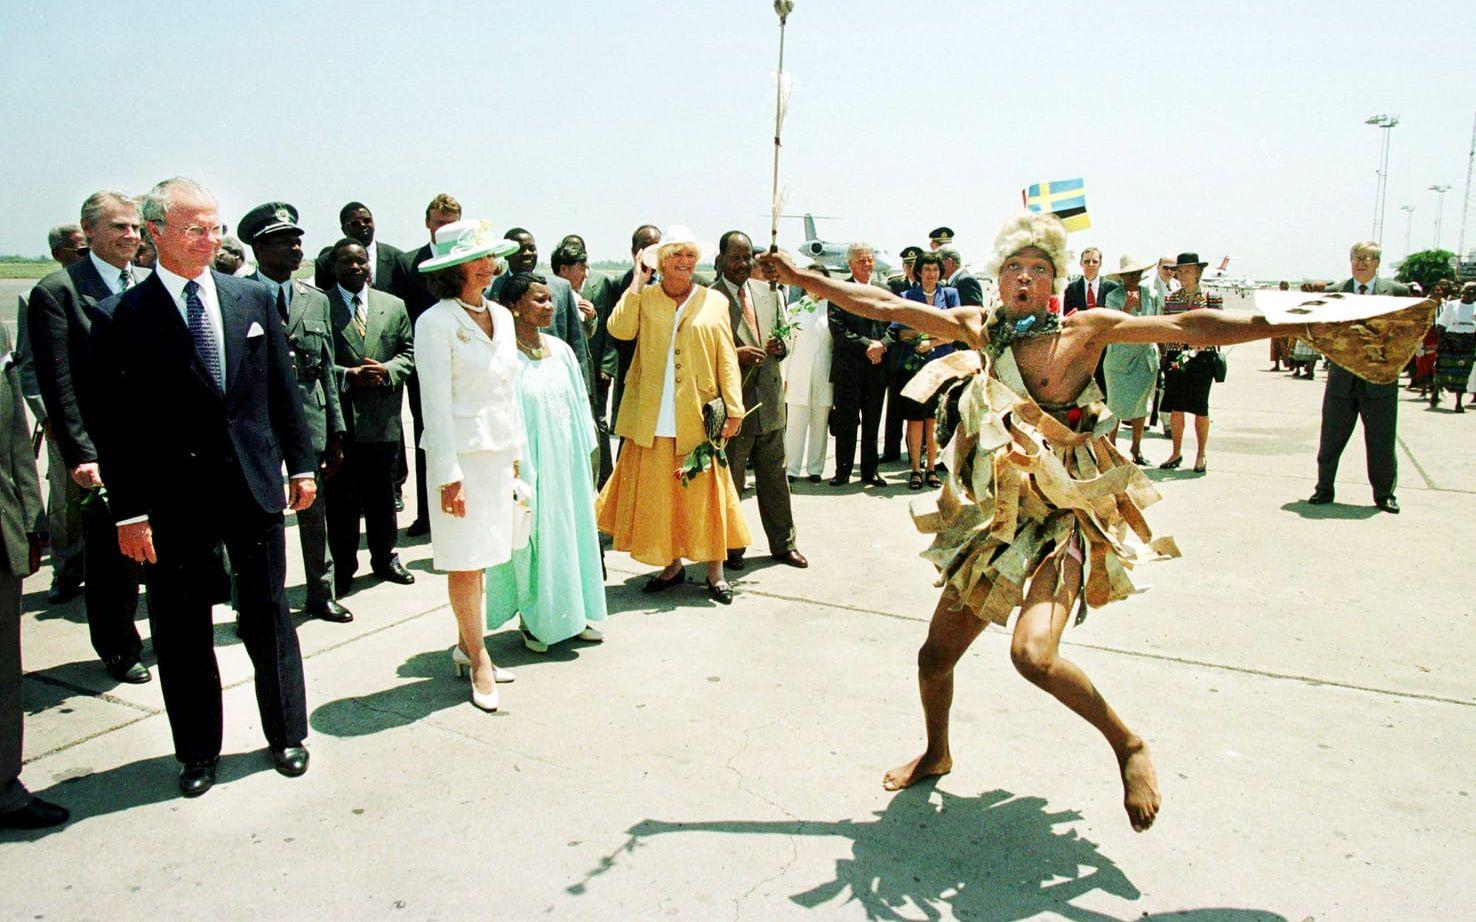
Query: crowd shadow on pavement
<point>996,856</point>
<point>1333,510</point>
<point>136,784</point>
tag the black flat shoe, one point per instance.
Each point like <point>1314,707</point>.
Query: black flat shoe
<point>735,560</point>
<point>1171,464</point>
<point>813,478</point>
<point>1319,498</point>
<point>330,611</point>
<point>1139,460</point>
<point>839,481</point>
<point>658,584</point>
<point>418,528</point>
<point>720,593</point>
<point>197,777</point>
<point>874,481</point>
<point>395,572</point>
<point>1201,467</point>
<point>292,761</point>
<point>37,814</point>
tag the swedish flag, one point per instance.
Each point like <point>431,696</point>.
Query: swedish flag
<point>1064,198</point>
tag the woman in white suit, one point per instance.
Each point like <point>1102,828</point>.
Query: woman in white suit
<point>808,392</point>
<point>467,361</point>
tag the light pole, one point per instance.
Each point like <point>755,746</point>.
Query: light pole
<point>1439,191</point>
<point>1408,226</point>
<point>1384,122</point>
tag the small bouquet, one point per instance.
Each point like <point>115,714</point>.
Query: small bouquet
<point>914,359</point>
<point>701,458</point>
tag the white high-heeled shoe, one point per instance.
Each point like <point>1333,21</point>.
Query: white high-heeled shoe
<point>461,664</point>
<point>488,701</point>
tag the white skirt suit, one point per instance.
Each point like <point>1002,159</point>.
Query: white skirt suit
<point>473,431</point>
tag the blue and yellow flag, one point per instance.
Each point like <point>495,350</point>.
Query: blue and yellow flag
<point>1065,198</point>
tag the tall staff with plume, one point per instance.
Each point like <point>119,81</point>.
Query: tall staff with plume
<point>782,88</point>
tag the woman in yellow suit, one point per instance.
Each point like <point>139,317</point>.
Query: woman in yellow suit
<point>684,358</point>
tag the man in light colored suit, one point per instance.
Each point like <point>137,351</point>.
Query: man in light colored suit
<point>272,232</point>
<point>20,553</point>
<point>755,311</point>
<point>374,353</point>
<point>1349,399</point>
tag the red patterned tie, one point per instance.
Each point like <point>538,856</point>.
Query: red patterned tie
<point>1091,296</point>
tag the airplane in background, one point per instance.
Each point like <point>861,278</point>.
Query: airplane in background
<point>1219,279</point>
<point>832,255</point>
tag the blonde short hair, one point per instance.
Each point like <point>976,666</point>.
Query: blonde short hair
<point>666,251</point>
<point>1368,248</point>
<point>1028,229</point>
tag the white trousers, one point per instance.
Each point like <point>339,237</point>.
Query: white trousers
<point>805,436</point>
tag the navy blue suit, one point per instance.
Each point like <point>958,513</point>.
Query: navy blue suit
<point>206,467</point>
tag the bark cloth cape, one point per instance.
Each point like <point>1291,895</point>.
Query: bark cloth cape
<point>1031,482</point>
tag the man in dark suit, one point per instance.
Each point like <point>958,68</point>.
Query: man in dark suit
<point>1090,290</point>
<point>970,291</point>
<point>373,354</point>
<point>20,554</point>
<point>754,309</point>
<point>566,322</point>
<point>609,358</point>
<point>1348,399</point>
<point>63,308</point>
<point>858,372</point>
<point>272,232</point>
<point>386,263</point>
<point>442,210</point>
<point>67,244</point>
<point>200,411</point>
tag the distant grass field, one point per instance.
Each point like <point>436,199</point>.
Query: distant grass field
<point>26,268</point>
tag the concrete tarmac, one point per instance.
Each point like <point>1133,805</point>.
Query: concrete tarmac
<point>1303,674</point>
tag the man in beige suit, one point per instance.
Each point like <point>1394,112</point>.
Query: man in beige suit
<point>755,310</point>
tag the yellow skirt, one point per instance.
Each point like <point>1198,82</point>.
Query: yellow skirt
<point>655,519</point>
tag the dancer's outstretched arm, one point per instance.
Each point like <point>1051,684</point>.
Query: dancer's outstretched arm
<point>1196,327</point>
<point>959,324</point>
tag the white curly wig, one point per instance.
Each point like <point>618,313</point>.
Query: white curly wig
<point>1031,229</point>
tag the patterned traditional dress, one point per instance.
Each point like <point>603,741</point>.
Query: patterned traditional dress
<point>1188,373</point>
<point>1457,345</point>
<point>1029,482</point>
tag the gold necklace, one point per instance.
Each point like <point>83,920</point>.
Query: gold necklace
<point>533,352</point>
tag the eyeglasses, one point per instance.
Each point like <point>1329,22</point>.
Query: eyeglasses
<point>1017,268</point>
<point>194,232</point>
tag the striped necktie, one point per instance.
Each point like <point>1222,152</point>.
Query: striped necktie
<point>125,279</point>
<point>201,333</point>
<point>361,317</point>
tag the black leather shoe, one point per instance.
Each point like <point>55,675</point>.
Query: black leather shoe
<point>792,480</point>
<point>813,478</point>
<point>793,559</point>
<point>418,528</point>
<point>890,457</point>
<point>399,503</point>
<point>657,584</point>
<point>395,572</point>
<point>62,592</point>
<point>1388,504</point>
<point>330,611</point>
<point>874,481</point>
<point>127,669</point>
<point>839,481</point>
<point>38,814</point>
<point>720,593</point>
<point>292,761</point>
<point>735,560</point>
<point>197,777</point>
<point>1319,498</point>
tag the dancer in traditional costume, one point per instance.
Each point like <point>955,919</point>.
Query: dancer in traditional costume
<point>1038,505</point>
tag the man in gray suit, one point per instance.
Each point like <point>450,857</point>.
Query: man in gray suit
<point>970,291</point>
<point>275,238</point>
<point>754,310</point>
<point>373,355</point>
<point>67,244</point>
<point>1348,399</point>
<point>20,554</point>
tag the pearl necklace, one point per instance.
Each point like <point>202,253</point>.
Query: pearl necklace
<point>474,308</point>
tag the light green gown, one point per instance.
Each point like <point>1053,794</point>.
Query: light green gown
<point>556,583</point>
<point>1131,368</point>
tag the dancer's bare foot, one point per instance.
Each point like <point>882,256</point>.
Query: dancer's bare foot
<point>1140,795</point>
<point>905,776</point>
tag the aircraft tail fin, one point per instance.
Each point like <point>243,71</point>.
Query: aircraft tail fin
<point>1224,265</point>
<point>810,227</point>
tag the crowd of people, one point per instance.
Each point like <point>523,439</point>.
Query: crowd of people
<point>516,382</point>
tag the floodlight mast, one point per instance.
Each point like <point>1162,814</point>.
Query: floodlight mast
<point>1385,123</point>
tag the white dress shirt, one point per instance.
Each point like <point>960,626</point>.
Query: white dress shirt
<point>112,276</point>
<point>373,250</point>
<point>1090,290</point>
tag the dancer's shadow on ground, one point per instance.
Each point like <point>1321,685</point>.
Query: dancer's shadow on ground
<point>1333,510</point>
<point>137,784</point>
<point>991,857</point>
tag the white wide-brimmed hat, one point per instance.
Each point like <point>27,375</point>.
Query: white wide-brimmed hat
<point>1128,264</point>
<point>463,241</point>
<point>677,233</point>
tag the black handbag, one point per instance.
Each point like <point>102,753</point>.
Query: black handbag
<point>714,417</point>
<point>1222,367</point>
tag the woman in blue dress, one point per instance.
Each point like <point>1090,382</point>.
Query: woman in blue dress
<point>555,583</point>
<point>914,350</point>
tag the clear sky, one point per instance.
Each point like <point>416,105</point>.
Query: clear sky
<point>1226,128</point>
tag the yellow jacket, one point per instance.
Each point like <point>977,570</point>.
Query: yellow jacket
<point>706,363</point>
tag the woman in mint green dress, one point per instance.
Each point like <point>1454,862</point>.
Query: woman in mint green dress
<point>555,584</point>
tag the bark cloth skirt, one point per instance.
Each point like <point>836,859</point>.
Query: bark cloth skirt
<point>1025,488</point>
